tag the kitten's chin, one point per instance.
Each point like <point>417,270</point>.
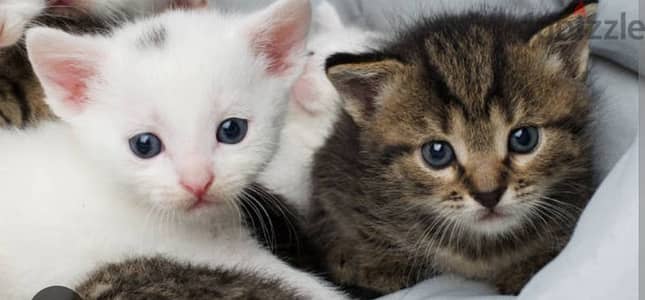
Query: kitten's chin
<point>204,207</point>
<point>205,212</point>
<point>192,210</point>
<point>496,222</point>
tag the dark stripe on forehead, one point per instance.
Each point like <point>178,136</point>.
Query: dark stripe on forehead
<point>437,82</point>
<point>154,37</point>
<point>496,90</point>
<point>440,87</point>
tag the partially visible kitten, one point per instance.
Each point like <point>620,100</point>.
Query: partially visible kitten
<point>16,15</point>
<point>21,96</point>
<point>462,148</point>
<point>285,185</point>
<point>164,124</point>
<point>313,108</point>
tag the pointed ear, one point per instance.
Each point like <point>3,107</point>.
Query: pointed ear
<point>326,18</point>
<point>65,65</point>
<point>565,42</point>
<point>279,33</point>
<point>361,80</point>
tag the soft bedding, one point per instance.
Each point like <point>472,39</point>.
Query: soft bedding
<point>601,261</point>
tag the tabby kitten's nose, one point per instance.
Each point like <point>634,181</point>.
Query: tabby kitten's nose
<point>490,199</point>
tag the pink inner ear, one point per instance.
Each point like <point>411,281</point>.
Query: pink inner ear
<point>72,79</point>
<point>277,45</point>
<point>303,91</point>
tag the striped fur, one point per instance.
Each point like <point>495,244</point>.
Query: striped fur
<point>163,278</point>
<point>385,219</point>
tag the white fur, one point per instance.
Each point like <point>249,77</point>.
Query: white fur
<point>313,108</point>
<point>73,194</point>
<point>15,15</point>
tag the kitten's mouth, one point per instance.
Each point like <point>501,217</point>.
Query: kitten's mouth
<point>201,203</point>
<point>491,216</point>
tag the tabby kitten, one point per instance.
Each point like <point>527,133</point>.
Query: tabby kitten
<point>464,142</point>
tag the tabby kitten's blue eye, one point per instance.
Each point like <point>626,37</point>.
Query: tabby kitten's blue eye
<point>232,131</point>
<point>146,145</point>
<point>438,155</point>
<point>524,140</point>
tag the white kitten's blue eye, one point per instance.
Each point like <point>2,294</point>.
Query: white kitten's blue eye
<point>232,131</point>
<point>146,145</point>
<point>438,155</point>
<point>524,140</point>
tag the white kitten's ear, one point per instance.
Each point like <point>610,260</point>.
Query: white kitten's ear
<point>65,65</point>
<point>279,33</point>
<point>326,18</point>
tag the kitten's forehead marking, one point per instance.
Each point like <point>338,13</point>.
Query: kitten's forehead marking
<point>470,83</point>
<point>154,37</point>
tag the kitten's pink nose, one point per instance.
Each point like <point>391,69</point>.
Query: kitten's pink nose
<point>198,186</point>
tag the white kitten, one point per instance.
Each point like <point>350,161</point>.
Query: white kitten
<point>313,108</point>
<point>15,15</point>
<point>165,123</point>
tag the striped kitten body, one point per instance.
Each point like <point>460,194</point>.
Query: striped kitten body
<point>163,278</point>
<point>461,149</point>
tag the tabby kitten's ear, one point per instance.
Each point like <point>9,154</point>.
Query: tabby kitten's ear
<point>65,65</point>
<point>361,81</point>
<point>566,41</point>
